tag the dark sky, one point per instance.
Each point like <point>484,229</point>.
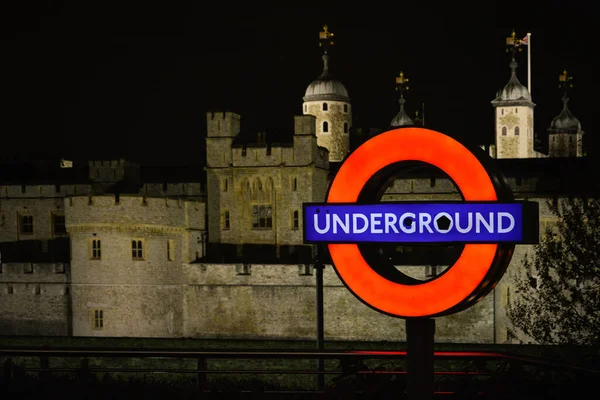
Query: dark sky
<point>126,79</point>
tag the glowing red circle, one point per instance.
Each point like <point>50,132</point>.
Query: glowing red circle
<point>468,272</point>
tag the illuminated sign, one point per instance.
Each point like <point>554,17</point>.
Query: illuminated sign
<point>446,222</point>
<point>372,278</point>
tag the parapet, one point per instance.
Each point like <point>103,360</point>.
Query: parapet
<point>43,191</point>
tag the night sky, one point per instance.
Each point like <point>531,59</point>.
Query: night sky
<point>134,80</point>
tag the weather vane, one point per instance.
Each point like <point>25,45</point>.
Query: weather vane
<point>514,44</point>
<point>326,38</point>
<point>402,84</point>
<point>565,81</point>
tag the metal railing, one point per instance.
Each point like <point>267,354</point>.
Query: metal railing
<point>452,367</point>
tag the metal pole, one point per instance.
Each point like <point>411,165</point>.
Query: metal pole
<point>419,354</point>
<point>320,319</point>
<point>529,64</point>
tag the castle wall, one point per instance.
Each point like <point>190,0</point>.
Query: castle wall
<point>34,299</point>
<point>38,201</point>
<point>135,310</point>
<point>275,301</point>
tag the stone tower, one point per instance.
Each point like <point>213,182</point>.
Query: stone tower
<point>327,99</point>
<point>514,119</point>
<point>565,137</point>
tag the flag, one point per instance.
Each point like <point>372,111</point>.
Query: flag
<point>524,41</point>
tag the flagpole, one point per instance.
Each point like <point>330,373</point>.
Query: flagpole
<point>529,63</point>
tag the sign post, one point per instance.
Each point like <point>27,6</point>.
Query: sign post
<point>488,222</point>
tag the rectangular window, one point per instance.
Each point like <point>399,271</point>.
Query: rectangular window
<point>225,184</point>
<point>295,219</point>
<point>58,225</point>
<point>95,249</point>
<point>26,224</point>
<point>294,184</point>
<point>137,249</point>
<point>97,319</point>
<point>226,220</point>
<point>170,250</point>
<point>262,217</point>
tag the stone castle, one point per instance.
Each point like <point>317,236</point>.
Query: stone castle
<point>112,248</point>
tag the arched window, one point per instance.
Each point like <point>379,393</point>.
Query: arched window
<point>137,249</point>
<point>324,106</point>
<point>516,131</point>
<point>345,127</point>
<point>325,126</point>
<point>504,131</point>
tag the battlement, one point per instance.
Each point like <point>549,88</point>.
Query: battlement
<point>111,171</point>
<point>222,124</point>
<point>107,163</point>
<point>193,189</point>
<point>115,210</point>
<point>302,152</point>
<point>50,191</point>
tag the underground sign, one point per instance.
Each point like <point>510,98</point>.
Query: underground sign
<point>488,222</point>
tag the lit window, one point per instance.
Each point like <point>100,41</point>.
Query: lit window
<point>26,224</point>
<point>95,249</point>
<point>137,249</point>
<point>262,217</point>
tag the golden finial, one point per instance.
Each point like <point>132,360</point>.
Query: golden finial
<point>565,80</point>
<point>402,82</point>
<point>325,37</point>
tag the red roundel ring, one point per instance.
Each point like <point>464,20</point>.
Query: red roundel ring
<point>466,275</point>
